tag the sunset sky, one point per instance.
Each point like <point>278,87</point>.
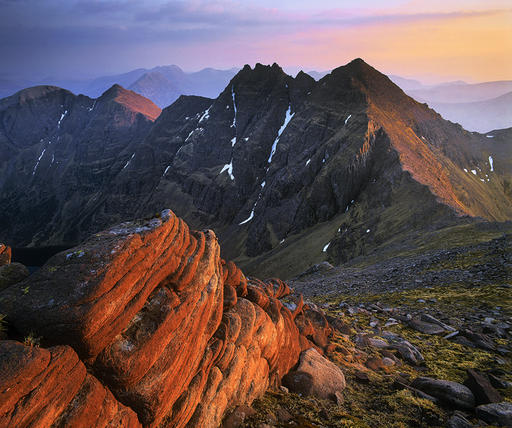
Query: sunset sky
<point>431,40</point>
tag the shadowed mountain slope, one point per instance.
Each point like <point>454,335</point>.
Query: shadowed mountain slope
<point>300,171</point>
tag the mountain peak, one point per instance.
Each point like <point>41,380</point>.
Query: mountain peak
<point>132,101</point>
<point>35,92</point>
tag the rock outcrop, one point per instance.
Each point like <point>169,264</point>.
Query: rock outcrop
<point>5,255</point>
<point>43,387</point>
<point>175,333</point>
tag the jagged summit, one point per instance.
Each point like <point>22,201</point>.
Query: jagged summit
<point>284,169</point>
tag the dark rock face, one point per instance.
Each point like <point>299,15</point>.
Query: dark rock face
<point>336,168</point>
<point>159,319</point>
<point>58,153</point>
<point>12,274</point>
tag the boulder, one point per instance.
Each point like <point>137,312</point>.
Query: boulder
<point>12,274</point>
<point>5,254</point>
<point>450,393</point>
<point>499,414</point>
<point>458,420</point>
<point>482,389</point>
<point>315,375</point>
<point>426,327</point>
<point>406,349</point>
<point>177,334</point>
<point>51,387</point>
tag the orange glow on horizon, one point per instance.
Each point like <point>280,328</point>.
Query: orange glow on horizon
<point>475,48</point>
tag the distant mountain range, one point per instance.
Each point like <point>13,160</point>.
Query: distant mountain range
<point>162,84</point>
<point>479,107</point>
<point>287,171</point>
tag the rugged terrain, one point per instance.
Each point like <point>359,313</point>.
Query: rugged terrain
<point>145,324</point>
<point>153,328</point>
<point>287,171</point>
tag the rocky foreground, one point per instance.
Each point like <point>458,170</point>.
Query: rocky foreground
<point>145,324</point>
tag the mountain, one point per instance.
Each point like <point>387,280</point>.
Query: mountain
<point>156,87</point>
<point>480,116</point>
<point>163,85</point>
<point>59,152</point>
<point>461,92</point>
<point>317,75</point>
<point>287,171</point>
<point>406,84</point>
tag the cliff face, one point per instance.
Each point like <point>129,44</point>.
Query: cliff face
<point>159,320</point>
<point>59,153</point>
<point>280,167</point>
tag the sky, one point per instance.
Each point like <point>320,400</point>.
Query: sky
<point>435,40</point>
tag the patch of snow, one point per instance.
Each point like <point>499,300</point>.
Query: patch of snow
<point>323,160</point>
<point>229,168</point>
<point>206,114</point>
<point>482,179</point>
<point>166,169</point>
<point>326,246</point>
<point>288,116</point>
<point>263,184</point>
<point>248,219</point>
<point>346,120</point>
<point>281,241</point>
<point>187,117</point>
<point>38,160</point>
<point>465,170</point>
<point>307,162</point>
<point>93,105</point>
<point>246,139</point>
<point>491,163</point>
<point>473,171</point>
<point>227,107</point>
<point>352,201</point>
<point>233,142</point>
<point>346,210</point>
<point>61,117</point>
<point>53,159</point>
<point>234,106</point>
<point>129,160</point>
<point>190,135</point>
<point>490,136</point>
<point>367,230</point>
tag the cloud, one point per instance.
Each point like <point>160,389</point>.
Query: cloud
<point>85,33</point>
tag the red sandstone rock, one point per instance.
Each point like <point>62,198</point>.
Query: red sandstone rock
<point>5,254</point>
<point>50,387</point>
<point>177,334</point>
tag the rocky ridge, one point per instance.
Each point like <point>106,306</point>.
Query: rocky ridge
<point>289,171</point>
<point>153,327</point>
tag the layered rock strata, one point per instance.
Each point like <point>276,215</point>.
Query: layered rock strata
<point>159,319</point>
